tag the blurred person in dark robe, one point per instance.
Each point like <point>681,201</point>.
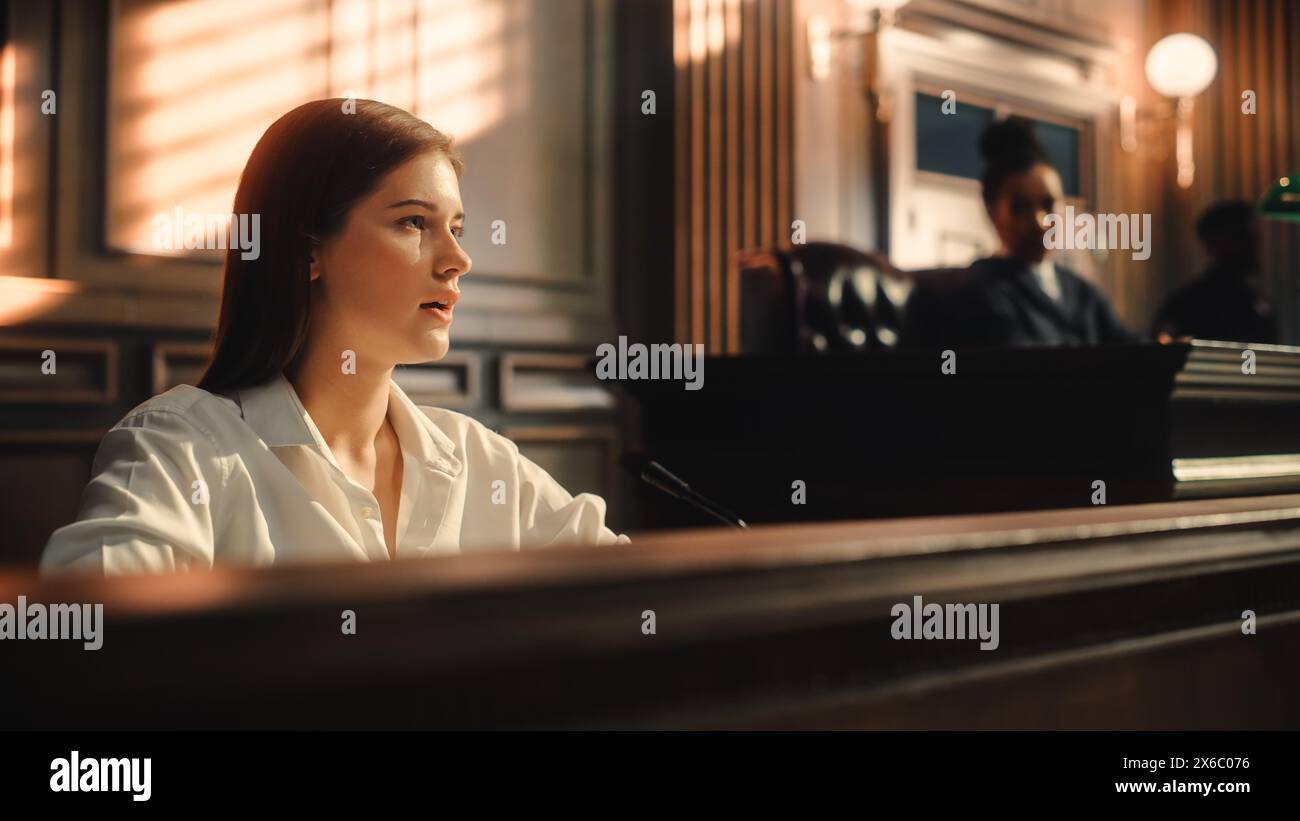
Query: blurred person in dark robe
<point>1227,302</point>
<point>1018,296</point>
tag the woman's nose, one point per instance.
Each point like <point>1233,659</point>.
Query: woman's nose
<point>465,263</point>
<point>455,262</point>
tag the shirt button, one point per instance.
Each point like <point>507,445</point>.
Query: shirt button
<point>367,512</point>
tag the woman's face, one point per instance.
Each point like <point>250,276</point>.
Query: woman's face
<point>398,251</point>
<point>1020,211</point>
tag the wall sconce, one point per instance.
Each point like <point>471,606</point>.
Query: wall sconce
<point>877,13</point>
<point>1180,67</point>
<point>869,18</point>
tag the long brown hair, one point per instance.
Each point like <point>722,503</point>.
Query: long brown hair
<point>302,178</point>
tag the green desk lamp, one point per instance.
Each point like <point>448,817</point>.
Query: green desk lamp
<point>1282,200</point>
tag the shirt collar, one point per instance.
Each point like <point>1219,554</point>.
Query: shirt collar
<point>274,411</point>
<point>418,435</point>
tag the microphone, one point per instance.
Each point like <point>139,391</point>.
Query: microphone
<point>656,475</point>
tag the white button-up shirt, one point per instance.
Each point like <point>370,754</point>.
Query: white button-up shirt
<point>1045,273</point>
<point>191,479</point>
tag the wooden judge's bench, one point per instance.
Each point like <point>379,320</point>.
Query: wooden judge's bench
<point>1176,604</point>
<point>890,433</point>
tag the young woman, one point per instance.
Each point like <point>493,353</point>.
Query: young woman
<point>296,445</point>
<point>1017,297</point>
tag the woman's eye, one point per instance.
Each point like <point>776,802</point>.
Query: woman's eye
<point>458,232</point>
<point>415,221</point>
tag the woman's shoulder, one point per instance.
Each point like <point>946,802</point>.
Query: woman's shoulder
<point>183,426</point>
<point>181,398</point>
<point>184,403</point>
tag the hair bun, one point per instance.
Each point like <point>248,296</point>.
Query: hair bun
<point>1010,139</point>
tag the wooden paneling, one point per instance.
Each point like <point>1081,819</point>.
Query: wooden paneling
<point>582,458</point>
<point>85,371</point>
<point>177,363</point>
<point>735,153</point>
<point>42,473</point>
<point>529,144</point>
<point>455,381</point>
<point>551,382</point>
<point>47,301</point>
<point>26,73</point>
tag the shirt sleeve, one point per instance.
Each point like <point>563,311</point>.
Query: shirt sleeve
<point>149,504</point>
<point>550,515</point>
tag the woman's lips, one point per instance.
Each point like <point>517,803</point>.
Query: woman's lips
<point>437,310</point>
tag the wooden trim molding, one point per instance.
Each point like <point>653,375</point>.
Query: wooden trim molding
<point>50,437</point>
<point>168,358</point>
<point>92,378</point>
<point>1029,25</point>
<point>1214,371</point>
<point>561,433</point>
<point>551,382</point>
<point>28,302</point>
<point>1220,468</point>
<point>462,370</point>
<point>37,301</point>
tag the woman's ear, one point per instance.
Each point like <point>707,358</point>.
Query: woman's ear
<point>313,251</point>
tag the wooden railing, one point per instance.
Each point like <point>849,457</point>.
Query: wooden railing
<point>1109,617</point>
